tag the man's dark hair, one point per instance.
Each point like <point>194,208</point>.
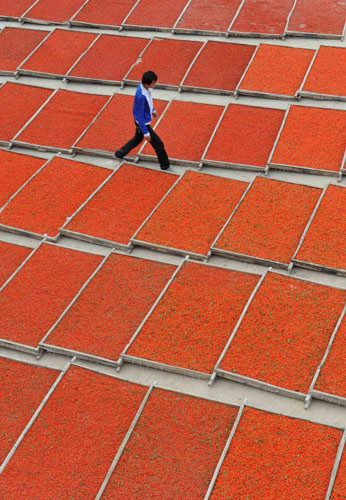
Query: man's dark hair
<point>149,77</point>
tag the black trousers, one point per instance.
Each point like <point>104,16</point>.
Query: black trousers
<point>155,141</point>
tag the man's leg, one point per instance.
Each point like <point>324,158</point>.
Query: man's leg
<point>159,147</point>
<point>132,143</point>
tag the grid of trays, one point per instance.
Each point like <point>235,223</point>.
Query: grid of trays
<point>287,224</point>
<point>216,67</point>
<point>159,308</point>
<point>270,19</point>
<point>104,437</point>
<point>69,122</point>
<point>143,441</point>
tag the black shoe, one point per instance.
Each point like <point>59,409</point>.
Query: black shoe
<point>118,155</point>
<point>165,167</point>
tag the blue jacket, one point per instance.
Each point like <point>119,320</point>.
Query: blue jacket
<point>141,110</point>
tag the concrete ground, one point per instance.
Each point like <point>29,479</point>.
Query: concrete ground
<point>222,390</point>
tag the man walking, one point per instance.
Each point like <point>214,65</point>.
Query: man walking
<point>143,112</point>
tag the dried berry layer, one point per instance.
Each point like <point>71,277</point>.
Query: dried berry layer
<point>62,121</point>
<point>122,51</point>
<point>158,57</point>
<point>194,212</point>
<point>267,17</point>
<point>54,12</point>
<point>174,449</point>
<point>9,8</point>
<point>186,129</point>
<point>270,221</point>
<point>107,13</point>
<point>277,70</point>
<point>333,373</point>
<point>15,170</point>
<point>54,272</point>
<point>238,142</point>
<point>220,66</point>
<point>11,257</point>
<point>285,332</point>
<point>209,15</point>
<point>22,389</point>
<point>328,73</point>
<point>273,456</point>
<point>71,445</point>
<point>191,324</point>
<point>325,241</point>
<point>156,13</point>
<point>104,318</point>
<point>59,52</point>
<point>122,204</point>
<point>328,19</point>
<point>313,138</point>
<point>16,44</point>
<point>339,489</point>
<point>54,194</point>
<point>18,104</point>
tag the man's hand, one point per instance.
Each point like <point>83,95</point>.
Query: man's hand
<point>147,136</point>
<point>155,115</point>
